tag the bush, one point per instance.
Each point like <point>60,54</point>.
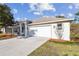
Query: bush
<point>75,36</point>
<point>65,54</point>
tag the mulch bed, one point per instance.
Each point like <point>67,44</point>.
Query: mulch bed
<point>60,40</point>
<point>57,40</point>
<point>7,36</point>
<point>75,39</point>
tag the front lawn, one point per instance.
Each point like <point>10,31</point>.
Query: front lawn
<point>52,48</point>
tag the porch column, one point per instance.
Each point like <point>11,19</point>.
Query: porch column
<point>26,29</point>
<point>20,25</point>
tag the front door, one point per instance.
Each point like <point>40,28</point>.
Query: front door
<point>23,29</point>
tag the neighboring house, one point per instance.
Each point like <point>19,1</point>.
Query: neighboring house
<point>50,27</point>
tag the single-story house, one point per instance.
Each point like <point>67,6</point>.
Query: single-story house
<point>50,27</point>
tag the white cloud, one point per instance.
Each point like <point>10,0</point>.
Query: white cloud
<point>46,7</point>
<point>32,6</point>
<point>40,7</point>
<point>25,18</point>
<point>36,13</point>
<point>45,16</point>
<point>14,11</point>
<point>70,7</point>
<point>70,14</point>
<point>76,5</point>
<point>18,18</point>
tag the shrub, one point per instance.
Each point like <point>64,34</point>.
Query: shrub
<point>65,54</point>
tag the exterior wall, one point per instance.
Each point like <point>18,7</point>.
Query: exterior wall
<point>66,32</point>
<point>54,31</point>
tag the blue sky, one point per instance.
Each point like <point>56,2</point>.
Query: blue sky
<point>35,10</point>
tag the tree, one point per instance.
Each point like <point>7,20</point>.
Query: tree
<point>60,16</point>
<point>76,20</point>
<point>77,13</point>
<point>6,17</point>
<point>75,27</point>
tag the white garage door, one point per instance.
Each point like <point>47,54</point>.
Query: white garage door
<point>42,31</point>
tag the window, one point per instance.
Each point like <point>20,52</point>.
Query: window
<point>59,26</point>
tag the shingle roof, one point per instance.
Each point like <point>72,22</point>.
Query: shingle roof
<point>44,20</point>
<point>49,20</point>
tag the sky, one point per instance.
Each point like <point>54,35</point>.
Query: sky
<point>31,11</point>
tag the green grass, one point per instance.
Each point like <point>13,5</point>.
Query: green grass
<point>51,48</point>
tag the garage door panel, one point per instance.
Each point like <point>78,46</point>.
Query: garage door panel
<point>42,31</point>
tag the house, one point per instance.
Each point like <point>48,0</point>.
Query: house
<point>50,27</point>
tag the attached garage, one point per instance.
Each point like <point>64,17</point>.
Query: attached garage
<point>56,28</point>
<point>42,31</point>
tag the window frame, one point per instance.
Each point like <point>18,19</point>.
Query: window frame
<point>59,26</point>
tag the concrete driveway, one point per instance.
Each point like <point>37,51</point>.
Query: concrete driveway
<point>20,46</point>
